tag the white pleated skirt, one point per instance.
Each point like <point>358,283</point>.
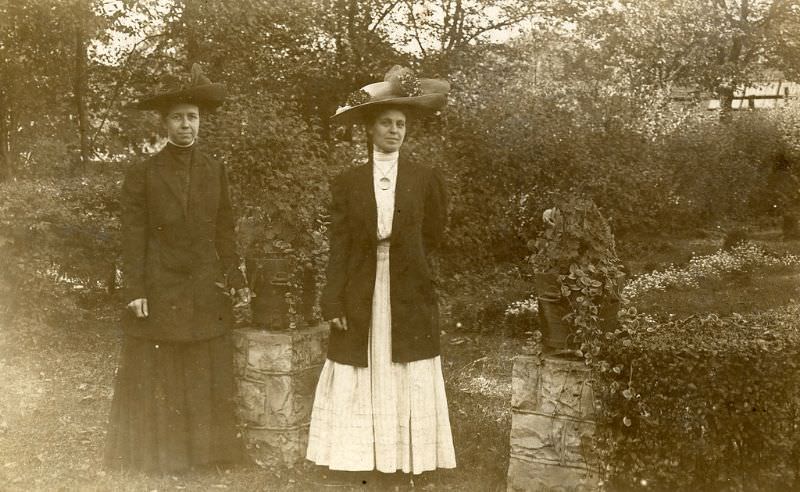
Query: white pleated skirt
<point>387,416</point>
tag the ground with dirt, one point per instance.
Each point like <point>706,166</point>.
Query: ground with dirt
<point>56,392</point>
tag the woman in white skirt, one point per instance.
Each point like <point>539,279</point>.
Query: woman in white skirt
<point>380,402</point>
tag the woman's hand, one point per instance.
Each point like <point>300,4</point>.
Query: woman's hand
<point>339,323</point>
<point>139,307</point>
<point>549,217</point>
<point>243,297</point>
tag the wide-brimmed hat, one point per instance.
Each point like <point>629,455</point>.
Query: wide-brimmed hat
<point>400,87</point>
<point>192,88</point>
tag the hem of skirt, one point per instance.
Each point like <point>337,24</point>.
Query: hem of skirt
<point>118,465</point>
<point>382,470</point>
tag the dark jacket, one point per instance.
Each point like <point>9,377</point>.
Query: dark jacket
<point>419,219</point>
<point>177,248</point>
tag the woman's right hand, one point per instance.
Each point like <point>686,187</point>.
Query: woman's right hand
<point>139,307</point>
<point>339,323</point>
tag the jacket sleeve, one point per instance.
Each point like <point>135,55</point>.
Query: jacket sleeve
<point>435,216</point>
<point>133,201</point>
<point>332,300</point>
<point>225,240</point>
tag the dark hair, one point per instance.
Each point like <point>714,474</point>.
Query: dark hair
<point>164,110</point>
<point>371,114</point>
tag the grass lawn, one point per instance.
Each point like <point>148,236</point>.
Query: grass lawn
<point>56,390</point>
<point>741,292</point>
<point>645,254</point>
<point>758,289</point>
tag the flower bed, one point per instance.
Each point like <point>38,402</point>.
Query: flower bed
<point>745,256</point>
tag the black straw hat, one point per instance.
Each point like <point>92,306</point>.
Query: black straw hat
<point>192,88</point>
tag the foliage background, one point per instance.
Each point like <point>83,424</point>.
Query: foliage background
<point>548,98</point>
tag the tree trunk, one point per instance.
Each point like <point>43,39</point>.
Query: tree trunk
<point>725,103</point>
<point>80,89</point>
<point>734,56</point>
<point>353,40</point>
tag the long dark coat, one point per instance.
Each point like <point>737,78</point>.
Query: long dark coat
<point>420,215</point>
<point>176,249</point>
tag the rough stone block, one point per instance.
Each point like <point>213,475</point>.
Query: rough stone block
<point>578,444</point>
<point>277,373</point>
<point>566,389</point>
<point>290,398</point>
<point>240,344</point>
<point>263,351</point>
<point>525,382</point>
<point>278,400</point>
<point>251,401</point>
<point>552,439</point>
<point>536,436</point>
<point>551,427</point>
<point>528,476</point>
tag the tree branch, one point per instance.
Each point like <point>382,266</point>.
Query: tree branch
<point>127,79</point>
<point>383,15</point>
<point>451,38</point>
<point>446,24</point>
<point>499,25</point>
<point>410,5</point>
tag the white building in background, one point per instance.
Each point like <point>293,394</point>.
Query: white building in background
<point>770,93</point>
<point>763,95</point>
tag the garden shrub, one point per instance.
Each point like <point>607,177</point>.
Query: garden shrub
<point>720,171</point>
<point>705,403</point>
<point>59,245</point>
<point>279,180</point>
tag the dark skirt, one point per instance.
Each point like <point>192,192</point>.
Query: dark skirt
<point>173,406</point>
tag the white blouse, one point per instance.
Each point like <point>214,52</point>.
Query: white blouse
<point>384,167</point>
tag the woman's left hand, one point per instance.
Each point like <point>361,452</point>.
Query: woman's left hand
<point>339,323</point>
<point>549,217</point>
<point>243,297</point>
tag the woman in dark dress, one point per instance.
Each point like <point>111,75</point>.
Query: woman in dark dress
<point>380,402</point>
<point>173,396</point>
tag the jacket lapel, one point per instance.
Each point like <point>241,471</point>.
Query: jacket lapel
<point>365,198</point>
<point>166,172</point>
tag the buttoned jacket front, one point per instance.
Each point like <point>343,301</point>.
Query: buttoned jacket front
<point>178,248</point>
<point>420,214</point>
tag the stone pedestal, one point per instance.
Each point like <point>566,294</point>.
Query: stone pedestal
<point>552,426</point>
<point>276,374</point>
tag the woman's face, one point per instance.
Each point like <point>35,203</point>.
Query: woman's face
<point>182,122</point>
<point>388,130</point>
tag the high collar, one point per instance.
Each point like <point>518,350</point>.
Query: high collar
<point>384,157</point>
<point>181,154</point>
<point>173,147</point>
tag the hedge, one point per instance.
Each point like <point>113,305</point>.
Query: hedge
<point>704,403</point>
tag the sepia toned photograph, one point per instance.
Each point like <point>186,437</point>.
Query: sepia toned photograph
<point>396,245</point>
